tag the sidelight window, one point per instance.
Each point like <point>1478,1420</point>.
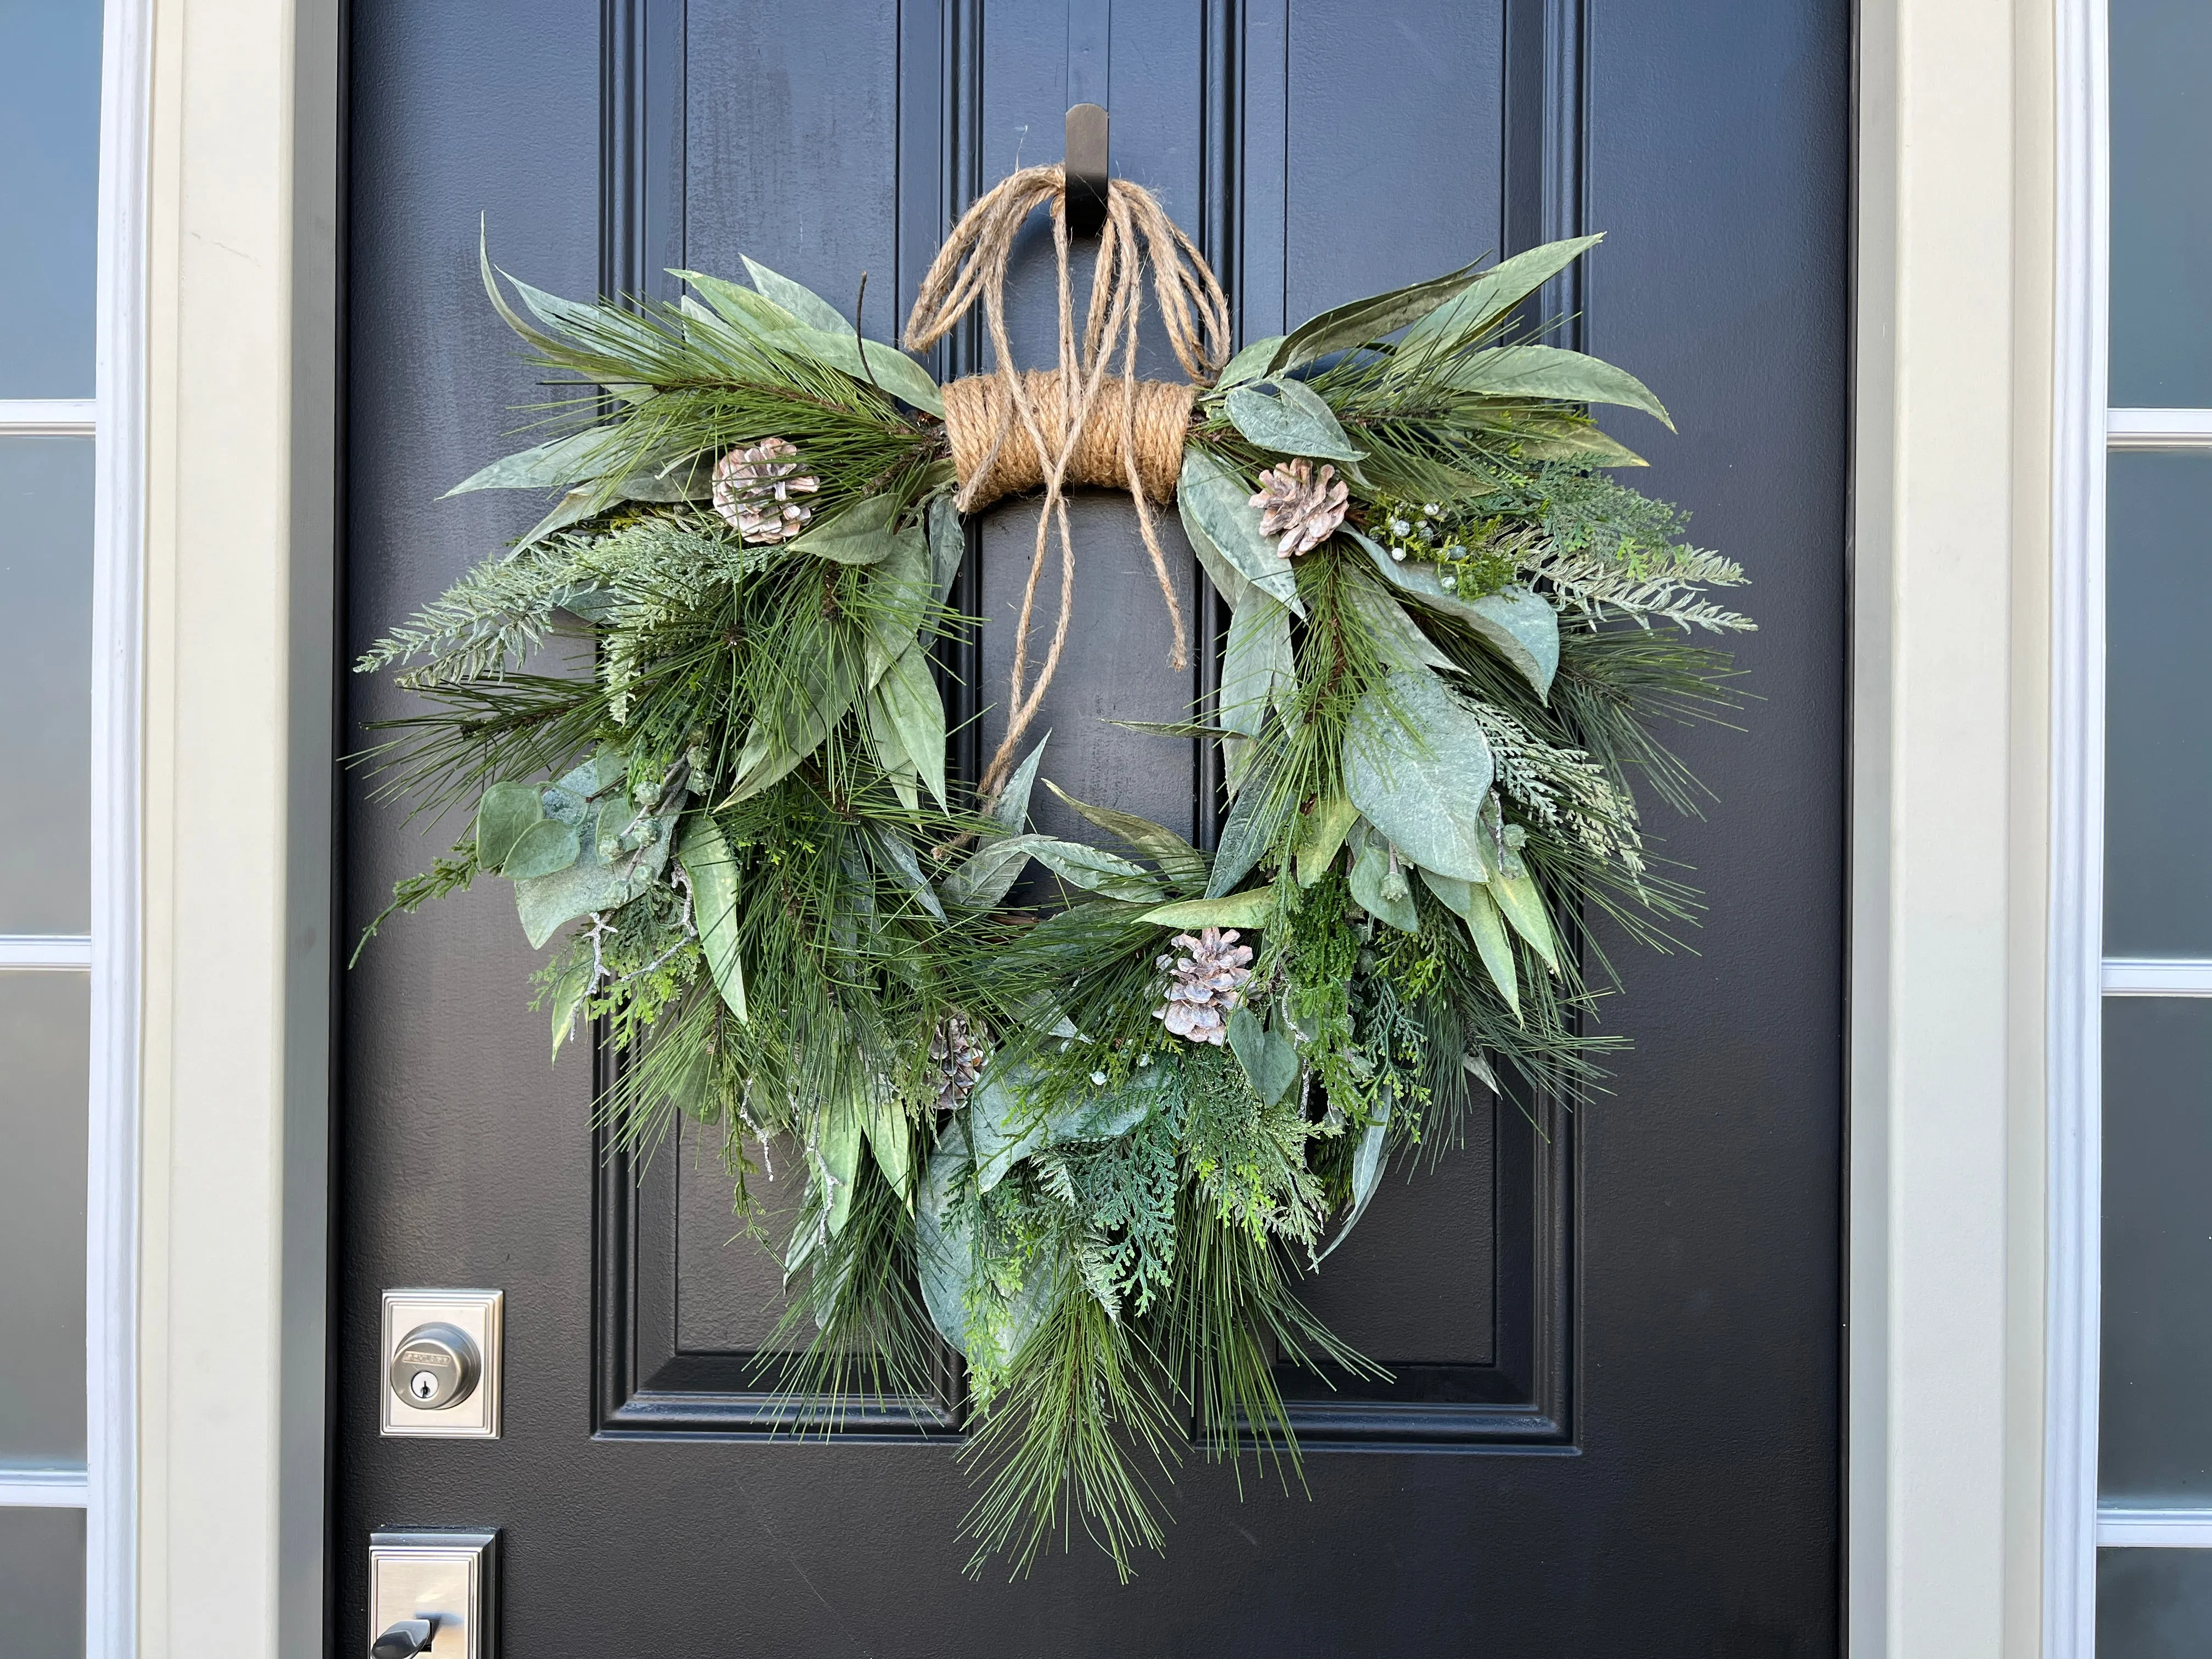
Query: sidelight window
<point>2153,1531</point>
<point>68,513</point>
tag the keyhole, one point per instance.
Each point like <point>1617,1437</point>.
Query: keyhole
<point>423,1384</point>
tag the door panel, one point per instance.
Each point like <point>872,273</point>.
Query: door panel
<point>1614,1331</point>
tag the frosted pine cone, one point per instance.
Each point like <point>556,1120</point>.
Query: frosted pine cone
<point>753,489</point>
<point>956,1055</point>
<point>1302,509</point>
<point>1205,985</point>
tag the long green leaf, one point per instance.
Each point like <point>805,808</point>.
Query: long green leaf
<point>1523,901</point>
<point>1362,320</point>
<point>1478,307</point>
<point>910,697</point>
<point>1218,503</point>
<point>1289,417</point>
<point>1183,865</point>
<point>1256,666</point>
<point>1366,1176</point>
<point>1472,902</point>
<point>1542,371</point>
<point>801,302</point>
<point>573,459</point>
<point>713,872</point>
<point>861,534</point>
<point>1254,907</point>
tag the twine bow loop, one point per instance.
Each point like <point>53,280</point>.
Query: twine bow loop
<point>1012,430</point>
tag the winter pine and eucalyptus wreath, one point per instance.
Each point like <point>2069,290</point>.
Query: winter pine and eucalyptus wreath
<point>1092,1145</point>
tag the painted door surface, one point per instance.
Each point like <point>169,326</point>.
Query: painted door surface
<point>1614,1332</point>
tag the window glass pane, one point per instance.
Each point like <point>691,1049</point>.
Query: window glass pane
<point>2156,1440</point>
<point>45,684</point>
<point>49,195</point>
<point>42,1580</point>
<point>2158,776</point>
<point>45,1034</point>
<point>2161,203</point>
<point>2153,1604</point>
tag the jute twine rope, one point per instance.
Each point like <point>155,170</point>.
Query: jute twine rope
<point>1012,430</point>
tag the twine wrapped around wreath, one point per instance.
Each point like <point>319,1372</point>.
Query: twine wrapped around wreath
<point>1012,430</point>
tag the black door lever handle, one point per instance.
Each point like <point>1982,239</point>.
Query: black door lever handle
<point>404,1639</point>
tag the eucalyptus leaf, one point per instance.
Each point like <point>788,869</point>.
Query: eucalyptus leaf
<point>1224,576</point>
<point>1268,1059</point>
<point>1523,901</point>
<point>1362,320</point>
<point>1012,809</point>
<point>589,882</point>
<point>1256,665</point>
<point>870,362</point>
<point>1577,441</point>
<point>1520,626</point>
<point>1249,364</point>
<point>503,813</point>
<point>1327,824</point>
<point>899,587</point>
<point>1473,904</point>
<point>983,878</point>
<point>713,872</point>
<point>573,507</point>
<point>890,1136</point>
<point>1403,643</point>
<point>1096,871</point>
<point>1542,371</point>
<point>1372,889</point>
<point>1243,841</point>
<point>890,753</point>
<point>1366,1176</point>
<point>836,1147</point>
<point>948,546</point>
<point>898,857</point>
<point>1289,417</point>
<point>1483,303</point>
<point>909,696</point>
<point>573,459</point>
<point>1183,865</point>
<point>568,993</point>
<point>802,302</point>
<point>1218,501</point>
<point>986,1331</point>
<point>1254,908</point>
<point>1417,763</point>
<point>1006,1125</point>
<point>861,534</point>
<point>545,849</point>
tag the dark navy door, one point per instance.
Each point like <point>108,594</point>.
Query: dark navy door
<point>1614,1333</point>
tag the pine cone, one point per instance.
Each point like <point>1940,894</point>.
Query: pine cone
<point>753,489</point>
<point>1205,985</point>
<point>1302,509</point>
<point>956,1055</point>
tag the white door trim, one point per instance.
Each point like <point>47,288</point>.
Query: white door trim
<point>2076,982</point>
<point>112,1281</point>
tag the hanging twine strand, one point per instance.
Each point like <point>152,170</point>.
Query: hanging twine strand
<point>1012,431</point>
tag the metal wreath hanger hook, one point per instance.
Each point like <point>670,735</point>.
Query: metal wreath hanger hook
<point>1087,169</point>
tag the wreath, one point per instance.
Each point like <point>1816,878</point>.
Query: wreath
<point>1093,1142</point>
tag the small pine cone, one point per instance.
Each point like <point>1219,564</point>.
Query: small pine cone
<point>1205,985</point>
<point>753,489</point>
<point>956,1055</point>
<point>1302,509</point>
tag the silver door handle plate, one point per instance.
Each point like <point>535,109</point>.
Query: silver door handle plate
<point>436,1583</point>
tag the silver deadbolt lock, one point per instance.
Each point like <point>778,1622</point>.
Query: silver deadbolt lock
<point>440,1356</point>
<point>436,1366</point>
